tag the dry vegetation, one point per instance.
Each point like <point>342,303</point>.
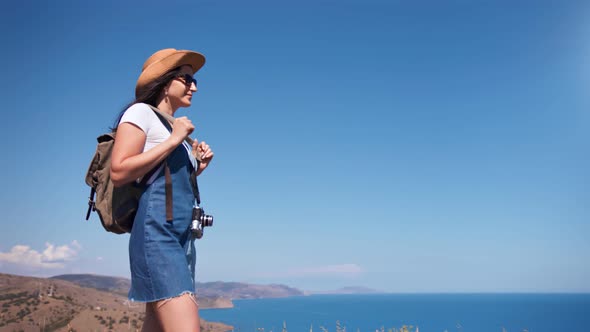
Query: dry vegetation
<point>38,304</point>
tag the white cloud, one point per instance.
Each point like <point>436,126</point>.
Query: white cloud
<point>76,245</point>
<point>51,257</point>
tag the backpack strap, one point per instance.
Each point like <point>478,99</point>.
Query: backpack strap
<point>91,203</point>
<point>170,120</point>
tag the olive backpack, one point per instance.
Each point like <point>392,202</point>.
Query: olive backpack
<point>116,206</point>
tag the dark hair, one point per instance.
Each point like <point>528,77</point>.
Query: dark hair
<point>150,93</point>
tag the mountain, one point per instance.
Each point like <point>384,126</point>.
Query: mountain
<point>347,290</point>
<point>110,284</point>
<point>237,290</point>
<point>208,293</point>
<point>53,304</point>
<point>213,292</point>
<point>121,286</point>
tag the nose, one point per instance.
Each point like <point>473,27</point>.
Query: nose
<point>193,86</point>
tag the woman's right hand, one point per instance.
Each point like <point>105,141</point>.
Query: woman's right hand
<point>181,128</point>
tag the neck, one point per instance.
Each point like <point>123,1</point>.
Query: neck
<point>165,106</point>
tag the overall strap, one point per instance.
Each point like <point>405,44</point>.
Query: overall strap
<point>167,174</point>
<point>167,120</point>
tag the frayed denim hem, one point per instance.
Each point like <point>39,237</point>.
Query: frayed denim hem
<point>191,295</point>
<point>166,299</point>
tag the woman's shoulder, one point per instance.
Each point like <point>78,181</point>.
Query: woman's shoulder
<point>139,108</point>
<point>139,114</point>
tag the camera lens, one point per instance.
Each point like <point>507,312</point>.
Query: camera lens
<point>207,220</point>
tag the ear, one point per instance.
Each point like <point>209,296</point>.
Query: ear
<point>165,89</point>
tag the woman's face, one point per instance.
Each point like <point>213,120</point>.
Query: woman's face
<point>181,88</point>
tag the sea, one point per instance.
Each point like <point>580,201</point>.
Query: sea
<point>427,312</point>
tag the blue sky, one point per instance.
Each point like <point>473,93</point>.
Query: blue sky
<point>407,146</point>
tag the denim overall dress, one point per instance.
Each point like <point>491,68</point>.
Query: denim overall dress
<point>161,252</point>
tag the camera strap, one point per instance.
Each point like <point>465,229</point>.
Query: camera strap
<point>196,186</point>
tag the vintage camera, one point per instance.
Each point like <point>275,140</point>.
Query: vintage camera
<point>200,221</point>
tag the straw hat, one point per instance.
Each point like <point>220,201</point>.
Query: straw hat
<point>165,60</point>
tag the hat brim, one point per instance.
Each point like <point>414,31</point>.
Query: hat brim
<point>177,59</point>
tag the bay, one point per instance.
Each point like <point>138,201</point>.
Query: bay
<point>429,312</point>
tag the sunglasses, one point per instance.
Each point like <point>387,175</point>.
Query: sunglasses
<point>187,79</point>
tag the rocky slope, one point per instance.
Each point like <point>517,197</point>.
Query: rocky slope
<point>34,304</point>
<point>121,286</point>
<point>110,284</point>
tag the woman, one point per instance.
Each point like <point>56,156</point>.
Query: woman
<point>161,246</point>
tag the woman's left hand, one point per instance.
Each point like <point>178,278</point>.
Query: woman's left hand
<point>204,150</point>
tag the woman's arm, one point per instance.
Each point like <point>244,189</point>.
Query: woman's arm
<point>129,162</point>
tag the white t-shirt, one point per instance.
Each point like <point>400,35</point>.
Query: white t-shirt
<point>145,118</point>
